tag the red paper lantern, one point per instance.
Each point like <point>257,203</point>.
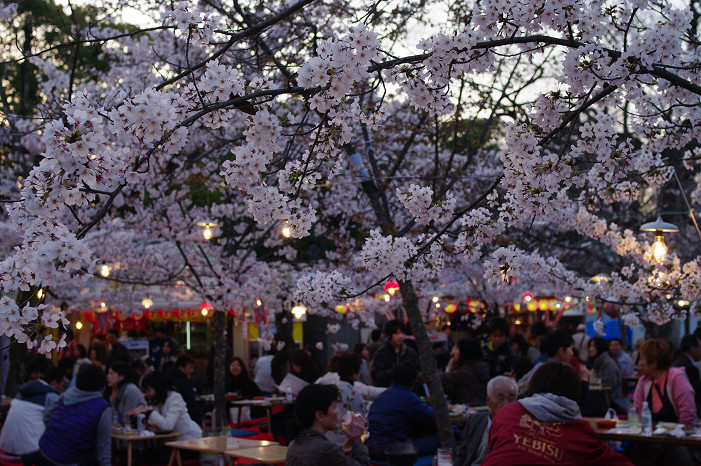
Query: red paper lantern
<point>391,287</point>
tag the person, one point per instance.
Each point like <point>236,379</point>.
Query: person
<point>621,357</point>
<point>361,349</point>
<point>78,424</point>
<point>24,423</point>
<point>96,353</point>
<point>497,352</point>
<point>669,396</point>
<point>393,352</point>
<point>581,341</point>
<point>472,449</point>
<point>316,413</point>
<point>80,354</point>
<point>547,426</point>
<point>375,342</point>
<point>238,380</point>
<point>124,395</point>
<point>67,351</point>
<point>451,343</point>
<point>263,374</point>
<point>181,377</point>
<point>605,368</point>
<point>398,415</point>
<point>141,369</point>
<point>538,332</point>
<point>117,351</point>
<point>156,345</point>
<point>520,346</point>
<point>558,346</point>
<point>167,409</point>
<point>467,380</point>
<point>169,355</point>
<point>302,366</point>
<point>666,389</point>
<point>441,355</point>
<point>67,365</point>
<point>691,353</point>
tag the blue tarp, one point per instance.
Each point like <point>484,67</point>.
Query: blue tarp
<point>611,330</point>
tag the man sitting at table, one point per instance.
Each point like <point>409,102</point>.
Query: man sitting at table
<point>691,353</point>
<point>78,425</point>
<point>24,423</point>
<point>624,361</point>
<point>398,415</point>
<point>472,450</point>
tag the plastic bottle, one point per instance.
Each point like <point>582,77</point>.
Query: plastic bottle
<point>140,423</point>
<point>288,393</point>
<point>646,419</point>
<point>633,420</point>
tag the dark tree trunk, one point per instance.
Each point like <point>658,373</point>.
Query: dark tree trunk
<point>220,409</point>
<point>428,364</point>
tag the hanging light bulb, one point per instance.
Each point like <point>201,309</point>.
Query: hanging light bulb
<point>435,299</point>
<point>207,233</point>
<point>286,230</point>
<point>105,271</point>
<point>259,302</point>
<point>386,298</point>
<point>78,325</point>
<point>40,293</point>
<point>600,277</point>
<point>659,248</point>
<point>204,312</point>
<point>147,303</point>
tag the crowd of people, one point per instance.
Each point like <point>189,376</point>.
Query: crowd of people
<point>535,391</point>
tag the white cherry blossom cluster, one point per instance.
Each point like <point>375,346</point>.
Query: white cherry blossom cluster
<point>321,287</point>
<point>419,202</point>
<point>387,255</point>
<point>340,64</point>
<point>193,25</point>
<point>479,228</point>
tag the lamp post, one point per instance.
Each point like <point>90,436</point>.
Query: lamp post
<point>659,248</point>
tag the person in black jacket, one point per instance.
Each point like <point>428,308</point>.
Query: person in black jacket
<point>181,377</point>
<point>392,353</point>
<point>497,352</point>
<point>691,352</point>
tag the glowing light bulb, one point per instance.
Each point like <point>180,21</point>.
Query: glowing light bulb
<point>568,299</point>
<point>391,291</point>
<point>147,303</point>
<point>103,305</point>
<point>78,325</point>
<point>259,302</point>
<point>207,233</point>
<point>105,271</point>
<point>40,293</point>
<point>386,298</point>
<point>438,305</point>
<point>286,231</point>
<point>435,299</point>
<point>204,312</point>
<point>659,249</point>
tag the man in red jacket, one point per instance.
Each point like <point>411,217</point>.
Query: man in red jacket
<point>547,427</point>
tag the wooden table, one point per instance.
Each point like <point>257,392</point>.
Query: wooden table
<point>130,438</point>
<point>616,434</point>
<point>271,454</point>
<point>217,445</point>
<point>268,404</point>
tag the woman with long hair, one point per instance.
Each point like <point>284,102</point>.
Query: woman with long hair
<point>168,411</point>
<point>316,413</point>
<point>124,395</point>
<point>169,355</point>
<point>362,350</point>
<point>238,379</point>
<point>467,380</point>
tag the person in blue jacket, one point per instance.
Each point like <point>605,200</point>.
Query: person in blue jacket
<point>398,415</point>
